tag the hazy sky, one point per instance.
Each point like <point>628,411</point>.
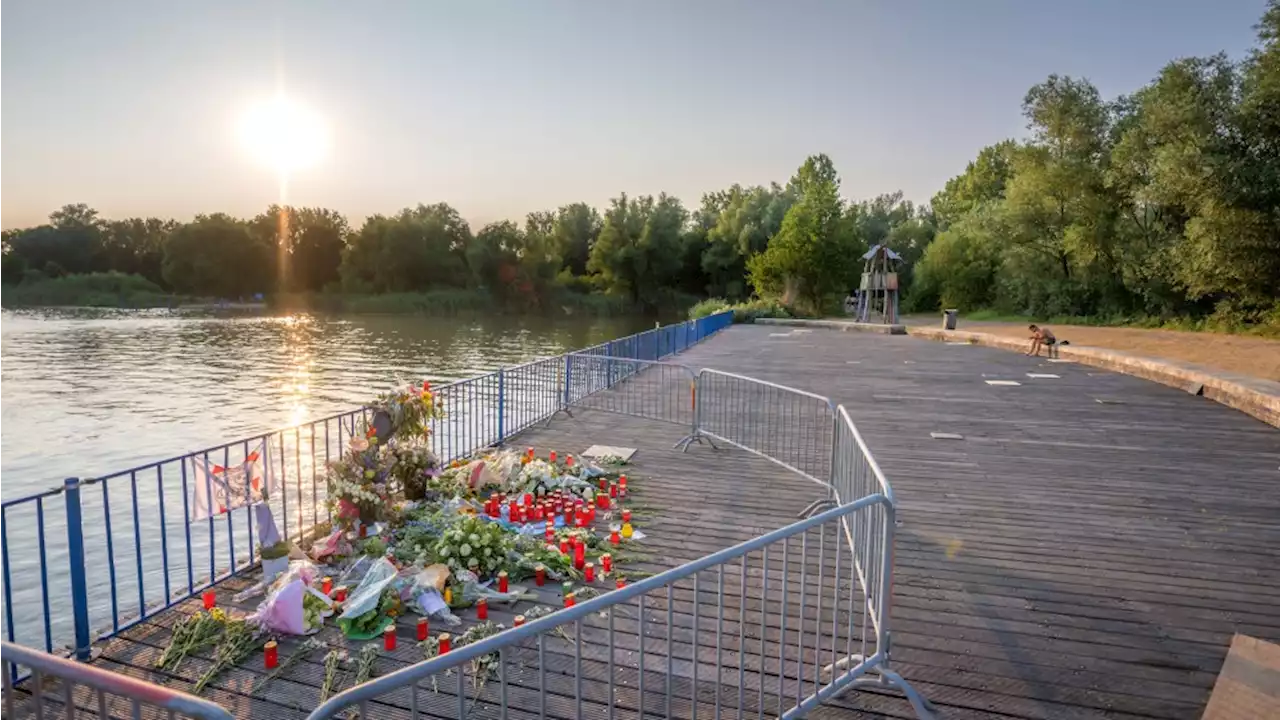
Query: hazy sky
<point>500,108</point>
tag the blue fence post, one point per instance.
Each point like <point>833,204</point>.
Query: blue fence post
<point>567,365</point>
<point>75,558</point>
<point>609,365</point>
<point>502,435</point>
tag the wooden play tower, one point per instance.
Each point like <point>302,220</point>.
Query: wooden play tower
<point>878,290</point>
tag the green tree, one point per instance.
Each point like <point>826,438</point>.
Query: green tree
<point>216,255</point>
<point>639,248</point>
<point>576,228</point>
<point>815,252</point>
<point>421,248</point>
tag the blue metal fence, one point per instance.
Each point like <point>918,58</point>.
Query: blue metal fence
<point>96,556</point>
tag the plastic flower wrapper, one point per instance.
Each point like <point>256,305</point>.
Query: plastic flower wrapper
<point>295,609</point>
<point>303,570</point>
<point>365,603</point>
<point>330,547</point>
<point>473,590</point>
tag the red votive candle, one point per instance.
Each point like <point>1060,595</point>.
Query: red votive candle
<point>615,538</point>
<point>568,461</point>
<point>613,489</point>
<point>602,500</point>
<point>270,655</point>
<point>518,621</point>
<point>537,512</point>
<point>552,456</point>
<point>626,516</point>
<point>540,575</point>
<point>340,594</point>
<point>529,451</point>
<point>422,629</point>
<point>622,485</point>
<point>389,638</point>
<point>443,647</point>
<point>564,545</point>
<point>568,600</point>
<point>551,534</point>
<point>528,499</point>
<point>579,555</point>
<point>606,561</point>
<point>502,581</point>
<point>589,572</point>
<point>326,585</point>
<point>482,609</point>
<point>568,516</point>
<point>210,598</point>
<point>513,510</point>
<point>622,582</point>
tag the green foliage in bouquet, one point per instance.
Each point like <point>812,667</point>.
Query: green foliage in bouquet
<point>475,545</point>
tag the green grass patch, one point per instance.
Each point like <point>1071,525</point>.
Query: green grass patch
<point>110,289</point>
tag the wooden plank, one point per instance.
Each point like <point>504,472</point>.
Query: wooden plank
<point>1065,560</point>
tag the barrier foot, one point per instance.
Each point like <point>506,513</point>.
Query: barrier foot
<point>814,508</point>
<point>892,680</point>
<point>553,415</point>
<point>687,440</point>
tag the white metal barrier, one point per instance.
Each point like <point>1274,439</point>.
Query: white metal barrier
<point>63,688</point>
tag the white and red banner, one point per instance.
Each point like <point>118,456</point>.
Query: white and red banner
<point>219,489</point>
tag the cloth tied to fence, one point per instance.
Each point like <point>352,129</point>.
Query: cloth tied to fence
<point>219,489</point>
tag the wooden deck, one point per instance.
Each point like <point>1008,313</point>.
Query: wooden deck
<point>1068,558</point>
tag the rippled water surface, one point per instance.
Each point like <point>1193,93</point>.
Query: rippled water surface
<point>90,392</point>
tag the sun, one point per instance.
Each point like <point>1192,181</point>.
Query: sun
<point>284,135</point>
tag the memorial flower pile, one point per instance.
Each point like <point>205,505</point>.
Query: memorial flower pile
<point>412,536</point>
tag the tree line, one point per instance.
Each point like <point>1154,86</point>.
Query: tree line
<point>1164,202</point>
<point>652,251</point>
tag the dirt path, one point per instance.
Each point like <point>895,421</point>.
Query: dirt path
<point>1244,354</point>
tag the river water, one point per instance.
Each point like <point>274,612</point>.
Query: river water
<point>88,393</point>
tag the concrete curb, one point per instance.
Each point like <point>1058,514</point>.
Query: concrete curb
<point>1252,396</point>
<point>843,325</point>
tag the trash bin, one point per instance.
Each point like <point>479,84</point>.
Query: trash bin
<point>949,319</point>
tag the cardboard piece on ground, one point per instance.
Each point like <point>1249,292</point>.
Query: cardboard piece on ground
<point>1059,360</point>
<point>599,451</point>
<point>946,436</point>
<point>1248,687</point>
<point>1043,375</point>
<point>1003,382</point>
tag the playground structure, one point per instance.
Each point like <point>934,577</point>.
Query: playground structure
<point>878,291</point>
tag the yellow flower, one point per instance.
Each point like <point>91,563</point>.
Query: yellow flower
<point>218,614</point>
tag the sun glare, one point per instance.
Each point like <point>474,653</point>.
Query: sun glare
<point>283,135</point>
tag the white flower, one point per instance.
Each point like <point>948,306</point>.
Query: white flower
<point>487,552</point>
<point>481,541</point>
<point>475,539</point>
<point>465,550</point>
<point>444,552</point>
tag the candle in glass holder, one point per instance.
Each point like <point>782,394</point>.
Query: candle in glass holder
<point>579,555</point>
<point>482,609</point>
<point>502,582</point>
<point>589,572</point>
<point>389,637</point>
<point>568,516</point>
<point>552,456</point>
<point>622,485</point>
<point>539,575</point>
<point>340,594</point>
<point>448,596</point>
<point>622,582</point>
<point>513,510</point>
<point>568,600</point>
<point>529,451</point>
<point>326,585</point>
<point>210,598</point>
<point>518,621</point>
<point>422,629</point>
<point>528,499</point>
<point>270,655</point>
<point>568,461</point>
<point>551,533</point>
<point>626,516</point>
<point>604,484</point>
<point>614,537</point>
<point>444,642</point>
<point>564,545</point>
<point>537,512</point>
<point>606,561</point>
<point>602,500</point>
<point>613,489</point>
<point>627,531</point>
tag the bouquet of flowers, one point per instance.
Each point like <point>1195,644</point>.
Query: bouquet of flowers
<point>359,483</point>
<point>413,465</point>
<point>476,545</point>
<point>411,411</point>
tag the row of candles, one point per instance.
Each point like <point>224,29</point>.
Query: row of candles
<point>576,511</point>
